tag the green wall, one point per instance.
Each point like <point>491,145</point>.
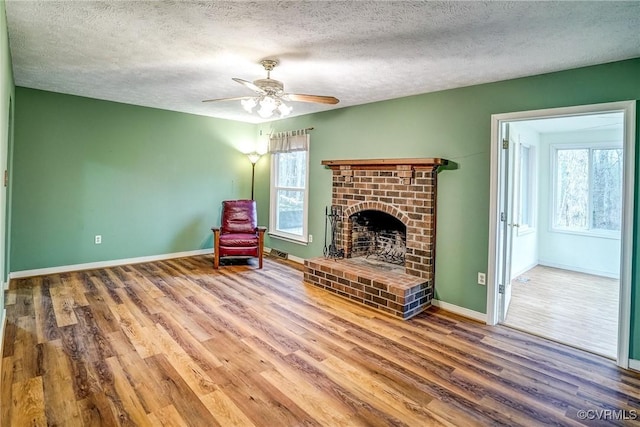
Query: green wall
<point>149,181</point>
<point>455,125</point>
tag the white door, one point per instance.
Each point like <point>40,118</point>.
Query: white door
<point>507,218</point>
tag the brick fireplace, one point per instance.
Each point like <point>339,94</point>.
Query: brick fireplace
<point>386,230</point>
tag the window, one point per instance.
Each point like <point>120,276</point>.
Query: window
<point>527,189</point>
<point>588,189</point>
<point>289,182</point>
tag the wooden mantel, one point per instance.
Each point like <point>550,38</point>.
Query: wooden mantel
<point>414,163</point>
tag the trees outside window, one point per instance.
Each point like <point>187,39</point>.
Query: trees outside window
<point>289,195</point>
<point>588,189</point>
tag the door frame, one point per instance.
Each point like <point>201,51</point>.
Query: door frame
<point>628,108</point>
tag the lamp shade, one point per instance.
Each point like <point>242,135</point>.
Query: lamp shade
<point>253,157</point>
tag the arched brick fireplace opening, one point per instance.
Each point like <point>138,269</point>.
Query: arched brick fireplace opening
<point>377,234</point>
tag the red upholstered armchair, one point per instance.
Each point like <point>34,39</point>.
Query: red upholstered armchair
<point>239,234</point>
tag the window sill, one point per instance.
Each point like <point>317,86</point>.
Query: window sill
<point>524,231</point>
<point>596,234</point>
<point>287,238</point>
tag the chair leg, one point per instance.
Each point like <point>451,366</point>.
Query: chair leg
<point>216,249</point>
<point>260,246</point>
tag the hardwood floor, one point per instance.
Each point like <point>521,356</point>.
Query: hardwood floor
<point>572,308</point>
<point>177,343</point>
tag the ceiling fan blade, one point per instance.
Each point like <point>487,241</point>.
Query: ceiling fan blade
<point>236,98</point>
<point>249,85</point>
<point>312,98</point>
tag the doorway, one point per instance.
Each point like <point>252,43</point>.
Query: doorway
<point>561,201</point>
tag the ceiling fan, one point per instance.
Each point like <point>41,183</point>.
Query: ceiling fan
<point>271,95</point>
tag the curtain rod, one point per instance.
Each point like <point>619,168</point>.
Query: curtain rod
<point>311,128</point>
<point>285,131</point>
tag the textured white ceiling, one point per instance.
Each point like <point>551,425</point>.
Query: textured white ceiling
<point>173,54</point>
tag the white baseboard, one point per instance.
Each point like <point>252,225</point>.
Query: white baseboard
<point>296,259</point>
<point>580,270</point>
<point>634,364</point>
<point>475,315</point>
<point>105,264</point>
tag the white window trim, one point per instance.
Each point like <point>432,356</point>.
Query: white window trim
<point>525,229</point>
<point>553,148</point>
<point>273,232</point>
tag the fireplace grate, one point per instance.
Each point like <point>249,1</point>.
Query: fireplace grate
<point>389,247</point>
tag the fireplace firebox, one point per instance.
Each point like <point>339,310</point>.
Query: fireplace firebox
<point>378,235</point>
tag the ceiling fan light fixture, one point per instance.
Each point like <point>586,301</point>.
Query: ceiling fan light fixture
<point>268,102</point>
<point>267,106</point>
<point>271,94</point>
<point>248,104</point>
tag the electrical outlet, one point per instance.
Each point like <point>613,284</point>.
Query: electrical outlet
<point>482,279</point>
<point>310,238</point>
<point>98,239</point>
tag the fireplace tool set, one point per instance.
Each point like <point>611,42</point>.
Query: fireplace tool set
<point>332,216</point>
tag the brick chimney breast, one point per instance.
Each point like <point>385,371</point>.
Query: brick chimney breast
<point>404,189</point>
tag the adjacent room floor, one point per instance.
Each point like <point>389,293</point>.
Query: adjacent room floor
<point>573,308</point>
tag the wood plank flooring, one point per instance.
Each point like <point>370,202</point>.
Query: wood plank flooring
<point>573,308</point>
<point>176,343</point>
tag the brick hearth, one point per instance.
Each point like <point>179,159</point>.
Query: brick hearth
<point>392,292</point>
<point>406,190</point>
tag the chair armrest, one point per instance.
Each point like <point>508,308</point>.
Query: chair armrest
<point>214,229</point>
<point>261,229</point>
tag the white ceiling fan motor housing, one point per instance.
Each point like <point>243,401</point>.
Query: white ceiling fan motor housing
<point>270,86</point>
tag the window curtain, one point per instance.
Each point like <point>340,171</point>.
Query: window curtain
<point>287,142</point>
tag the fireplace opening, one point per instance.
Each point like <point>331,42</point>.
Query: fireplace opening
<point>379,236</point>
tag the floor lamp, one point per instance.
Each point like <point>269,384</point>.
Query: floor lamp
<point>253,158</point>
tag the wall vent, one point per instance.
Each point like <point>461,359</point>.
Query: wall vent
<point>279,254</point>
